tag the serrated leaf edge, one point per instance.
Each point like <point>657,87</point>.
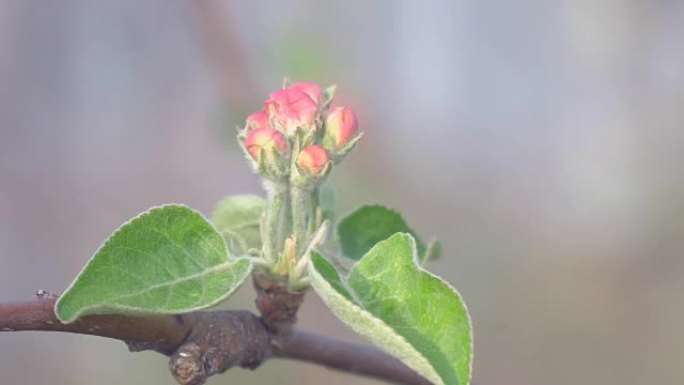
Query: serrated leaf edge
<point>416,261</point>
<point>373,206</point>
<point>138,311</point>
<point>418,363</point>
<point>216,207</point>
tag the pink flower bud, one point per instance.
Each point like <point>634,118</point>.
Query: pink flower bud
<point>291,109</point>
<point>264,138</point>
<point>258,119</point>
<point>312,159</point>
<point>311,89</point>
<point>341,126</point>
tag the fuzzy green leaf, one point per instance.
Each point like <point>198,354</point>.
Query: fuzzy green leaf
<point>359,231</point>
<point>167,260</point>
<point>237,219</point>
<point>406,311</point>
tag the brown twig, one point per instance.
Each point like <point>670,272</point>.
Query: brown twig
<point>347,356</point>
<point>205,343</point>
<point>166,332</point>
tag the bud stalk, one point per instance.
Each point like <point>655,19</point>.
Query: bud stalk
<point>301,213</point>
<point>277,196</point>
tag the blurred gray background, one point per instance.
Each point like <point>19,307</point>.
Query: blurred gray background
<point>542,141</point>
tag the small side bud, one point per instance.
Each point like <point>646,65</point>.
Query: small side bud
<point>258,119</point>
<point>289,257</point>
<point>341,127</point>
<point>265,139</point>
<point>313,160</point>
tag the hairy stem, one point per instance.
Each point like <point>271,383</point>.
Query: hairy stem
<point>277,193</point>
<point>301,213</point>
<point>313,207</point>
<point>285,229</point>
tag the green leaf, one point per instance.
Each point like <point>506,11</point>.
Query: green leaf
<point>167,260</point>
<point>359,231</point>
<point>411,314</point>
<point>237,219</point>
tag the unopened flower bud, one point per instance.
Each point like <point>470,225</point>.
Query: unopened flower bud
<point>312,160</point>
<point>291,109</point>
<point>312,89</point>
<point>340,127</point>
<point>264,139</point>
<point>258,119</point>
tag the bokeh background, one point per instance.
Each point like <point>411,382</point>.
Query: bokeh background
<point>542,141</point>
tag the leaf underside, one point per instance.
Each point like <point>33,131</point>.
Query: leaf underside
<point>403,309</point>
<point>237,218</point>
<point>167,260</point>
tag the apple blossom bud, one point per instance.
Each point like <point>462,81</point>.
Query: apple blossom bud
<point>258,119</point>
<point>291,109</point>
<point>312,160</point>
<point>340,126</point>
<point>312,89</point>
<point>264,139</point>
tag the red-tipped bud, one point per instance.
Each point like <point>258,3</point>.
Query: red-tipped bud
<point>266,139</point>
<point>341,126</point>
<point>291,109</point>
<point>258,119</point>
<point>312,89</point>
<point>312,160</point>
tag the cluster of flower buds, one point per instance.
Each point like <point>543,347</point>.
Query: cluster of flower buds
<point>297,135</point>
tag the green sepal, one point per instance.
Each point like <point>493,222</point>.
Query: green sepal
<point>338,155</point>
<point>286,82</point>
<point>329,95</point>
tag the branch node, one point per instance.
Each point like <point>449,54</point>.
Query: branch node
<point>218,342</point>
<point>278,305</point>
<point>210,342</point>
